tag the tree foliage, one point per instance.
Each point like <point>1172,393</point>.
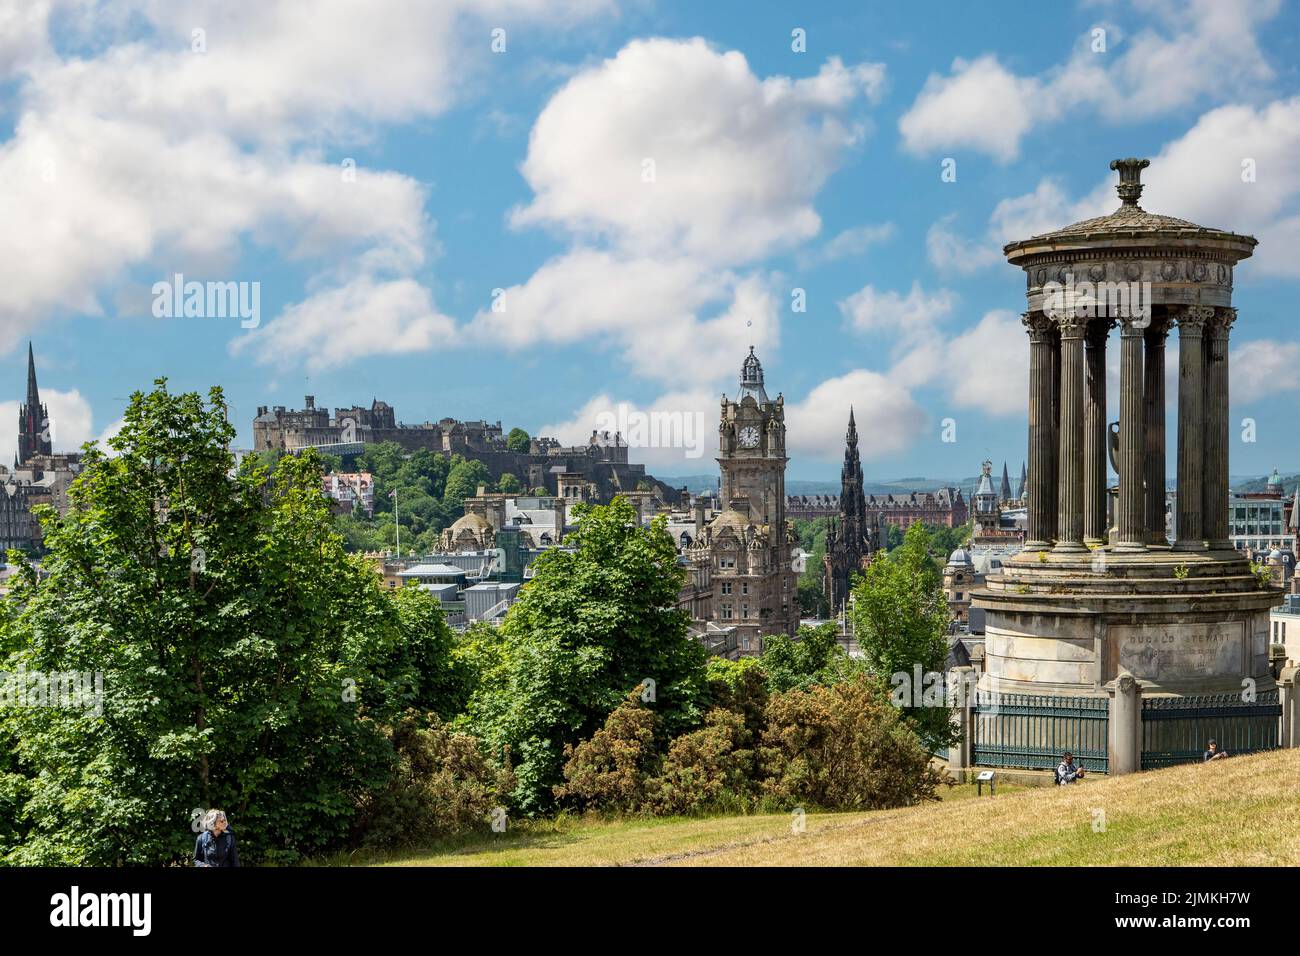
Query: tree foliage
<point>901,621</point>
<point>593,623</point>
<point>247,662</point>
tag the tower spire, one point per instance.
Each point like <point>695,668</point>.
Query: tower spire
<point>33,417</point>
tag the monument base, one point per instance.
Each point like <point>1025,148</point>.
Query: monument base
<point>1184,623</point>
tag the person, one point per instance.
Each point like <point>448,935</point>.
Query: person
<point>1214,753</point>
<point>216,844</point>
<point>1067,772</point>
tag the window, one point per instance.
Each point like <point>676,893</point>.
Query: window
<point>744,587</point>
<point>725,612</point>
<point>744,610</point>
<point>726,587</point>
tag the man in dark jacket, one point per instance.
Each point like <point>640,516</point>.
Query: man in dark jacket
<point>216,844</point>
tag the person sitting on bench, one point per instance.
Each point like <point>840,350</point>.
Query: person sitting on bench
<point>1067,772</point>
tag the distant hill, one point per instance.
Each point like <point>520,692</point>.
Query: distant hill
<point>1260,483</point>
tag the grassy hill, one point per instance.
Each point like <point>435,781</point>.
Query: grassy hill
<point>1236,812</point>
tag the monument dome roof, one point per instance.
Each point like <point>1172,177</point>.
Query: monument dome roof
<point>1130,221</point>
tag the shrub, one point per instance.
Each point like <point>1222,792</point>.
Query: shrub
<point>709,768</point>
<point>442,785</point>
<point>609,771</point>
<point>843,747</point>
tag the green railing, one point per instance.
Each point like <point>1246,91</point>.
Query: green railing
<point>1177,729</point>
<point>1030,732</point>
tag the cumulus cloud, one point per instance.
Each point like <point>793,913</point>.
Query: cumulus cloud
<point>673,147</point>
<point>888,417</point>
<point>1236,168</point>
<point>670,167</point>
<point>340,325</point>
<point>1271,366</point>
<point>996,350</point>
<point>147,155</point>
<point>1183,57</point>
<point>847,244</point>
<point>676,433</point>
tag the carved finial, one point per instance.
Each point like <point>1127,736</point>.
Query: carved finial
<point>1130,178</point>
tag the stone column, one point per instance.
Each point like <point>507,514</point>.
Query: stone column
<point>1124,728</point>
<point>1039,531</point>
<point>1191,427</point>
<point>1069,497</point>
<point>1154,399</point>
<point>1131,520</point>
<point>1286,695</point>
<point>1054,445</point>
<point>1094,434</point>
<point>1216,430</point>
<point>961,690</point>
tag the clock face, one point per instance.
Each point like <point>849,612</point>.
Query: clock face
<point>749,437</point>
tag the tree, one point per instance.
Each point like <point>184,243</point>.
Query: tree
<point>518,441</point>
<point>247,663</point>
<point>592,624</point>
<point>815,657</point>
<point>509,484</point>
<point>901,621</point>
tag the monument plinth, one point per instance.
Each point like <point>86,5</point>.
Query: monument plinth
<point>1087,601</point>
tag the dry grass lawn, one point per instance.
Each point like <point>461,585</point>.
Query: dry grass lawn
<point>1230,813</point>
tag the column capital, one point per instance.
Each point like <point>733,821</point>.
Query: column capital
<point>1037,325</point>
<point>1069,324</point>
<point>1193,318</point>
<point>1220,323</point>
<point>1157,331</point>
<point>1133,327</point>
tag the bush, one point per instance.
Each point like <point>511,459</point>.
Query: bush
<point>609,771</point>
<point>706,769</point>
<point>442,785</point>
<point>843,747</point>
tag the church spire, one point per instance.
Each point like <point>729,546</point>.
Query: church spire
<point>1004,492</point>
<point>33,417</point>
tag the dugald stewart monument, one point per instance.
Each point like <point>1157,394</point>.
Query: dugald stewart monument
<point>1100,601</point>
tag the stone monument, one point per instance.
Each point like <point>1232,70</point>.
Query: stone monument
<point>1085,602</point>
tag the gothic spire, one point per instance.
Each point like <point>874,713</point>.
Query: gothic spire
<point>33,393</point>
<point>1004,492</point>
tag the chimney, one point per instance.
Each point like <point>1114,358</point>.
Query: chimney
<point>311,402</point>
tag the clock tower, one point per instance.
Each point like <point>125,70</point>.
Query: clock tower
<point>751,448</point>
<point>743,583</point>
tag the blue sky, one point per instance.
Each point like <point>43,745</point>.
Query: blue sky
<point>129,156</point>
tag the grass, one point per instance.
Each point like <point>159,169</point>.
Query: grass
<point>1232,812</point>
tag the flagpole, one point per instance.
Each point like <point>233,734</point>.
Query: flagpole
<point>397,524</point>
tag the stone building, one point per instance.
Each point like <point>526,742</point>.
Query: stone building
<point>855,535</point>
<point>741,584</point>
<point>1084,604</point>
<point>600,468</point>
<point>540,522</point>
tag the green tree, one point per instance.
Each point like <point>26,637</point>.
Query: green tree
<point>901,621</point>
<point>814,657</point>
<point>247,662</point>
<point>509,484</point>
<point>591,625</point>
<point>518,441</point>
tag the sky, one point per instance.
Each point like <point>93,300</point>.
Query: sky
<point>546,212</point>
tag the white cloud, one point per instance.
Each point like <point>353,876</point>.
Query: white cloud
<point>669,318</point>
<point>1193,51</point>
<point>989,366</point>
<point>677,433</point>
<point>980,105</point>
<point>950,252</point>
<point>1267,366</point>
<point>737,160</point>
<point>359,319</point>
<point>869,310</point>
<point>144,156</point>
<point>888,417</point>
